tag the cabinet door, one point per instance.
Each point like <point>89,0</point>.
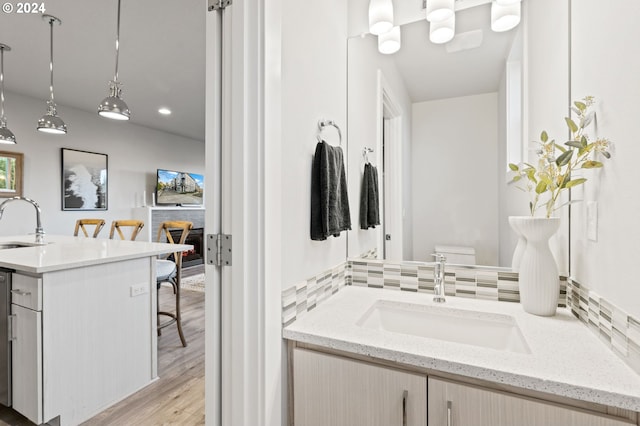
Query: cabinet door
<point>26,353</point>
<point>456,404</point>
<point>330,390</point>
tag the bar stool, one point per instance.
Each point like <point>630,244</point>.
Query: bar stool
<point>171,271</point>
<point>81,223</point>
<point>118,225</point>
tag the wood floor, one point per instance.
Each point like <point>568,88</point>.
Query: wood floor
<point>177,397</point>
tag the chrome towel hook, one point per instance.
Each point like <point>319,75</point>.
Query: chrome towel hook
<point>326,123</point>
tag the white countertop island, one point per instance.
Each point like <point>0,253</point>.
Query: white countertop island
<point>84,322</point>
<point>566,359</point>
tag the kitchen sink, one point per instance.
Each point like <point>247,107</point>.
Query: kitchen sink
<point>489,330</point>
<point>16,244</point>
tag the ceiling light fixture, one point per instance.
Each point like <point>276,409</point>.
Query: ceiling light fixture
<point>439,10</point>
<point>50,122</point>
<point>164,111</point>
<point>380,16</point>
<point>6,135</point>
<point>113,106</point>
<point>504,16</point>
<point>442,32</point>
<point>389,42</point>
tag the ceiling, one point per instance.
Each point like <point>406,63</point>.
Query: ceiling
<point>162,59</point>
<point>430,73</point>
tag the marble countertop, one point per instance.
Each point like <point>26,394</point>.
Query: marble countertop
<point>63,252</point>
<point>566,358</point>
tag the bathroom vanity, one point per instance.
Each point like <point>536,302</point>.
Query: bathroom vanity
<point>370,356</point>
<point>83,324</point>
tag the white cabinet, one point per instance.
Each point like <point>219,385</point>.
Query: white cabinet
<point>457,404</point>
<point>331,390</point>
<point>26,352</point>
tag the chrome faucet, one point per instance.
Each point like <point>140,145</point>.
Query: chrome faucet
<point>39,230</point>
<point>438,278</point>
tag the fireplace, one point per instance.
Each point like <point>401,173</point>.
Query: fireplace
<point>195,238</point>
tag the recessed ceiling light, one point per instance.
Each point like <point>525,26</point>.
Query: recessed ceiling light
<point>164,111</point>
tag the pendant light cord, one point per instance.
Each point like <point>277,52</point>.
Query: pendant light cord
<point>51,60</point>
<point>1,85</point>
<point>115,78</point>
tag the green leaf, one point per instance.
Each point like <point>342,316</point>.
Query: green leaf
<point>592,164</point>
<point>541,187</point>
<point>564,158</point>
<point>583,141</point>
<point>573,144</point>
<point>581,105</point>
<point>560,147</point>
<point>571,124</point>
<point>606,154</point>
<point>575,182</point>
<point>543,136</point>
<point>516,178</point>
<point>513,167</point>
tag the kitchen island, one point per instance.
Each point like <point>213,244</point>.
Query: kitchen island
<point>83,323</point>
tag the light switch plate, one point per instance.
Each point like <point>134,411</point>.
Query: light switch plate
<point>592,220</point>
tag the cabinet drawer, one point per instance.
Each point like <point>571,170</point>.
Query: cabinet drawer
<point>26,291</point>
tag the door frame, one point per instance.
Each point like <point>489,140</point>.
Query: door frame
<point>389,141</point>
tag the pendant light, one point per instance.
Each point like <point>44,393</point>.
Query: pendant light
<point>439,10</point>
<point>6,135</point>
<point>380,16</point>
<point>113,106</point>
<point>389,42</point>
<point>50,122</point>
<point>442,32</point>
<point>504,16</point>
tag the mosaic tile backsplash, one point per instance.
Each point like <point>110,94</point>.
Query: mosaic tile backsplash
<point>619,331</point>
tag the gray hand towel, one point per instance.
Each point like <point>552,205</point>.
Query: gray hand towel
<point>330,213</point>
<point>369,198</point>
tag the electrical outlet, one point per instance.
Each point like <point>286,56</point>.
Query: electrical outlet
<point>138,289</point>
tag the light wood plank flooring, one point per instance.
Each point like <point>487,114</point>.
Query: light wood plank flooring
<point>177,397</point>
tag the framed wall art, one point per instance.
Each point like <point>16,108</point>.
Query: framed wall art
<point>10,174</point>
<point>84,180</point>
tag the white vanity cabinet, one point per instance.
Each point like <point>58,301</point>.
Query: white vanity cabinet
<point>332,390</point>
<point>456,404</point>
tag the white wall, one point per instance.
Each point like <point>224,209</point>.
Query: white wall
<point>604,65</point>
<point>546,82</point>
<point>134,153</point>
<point>314,84</point>
<point>364,63</point>
<point>455,168</point>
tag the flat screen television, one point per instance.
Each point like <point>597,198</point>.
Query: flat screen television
<point>179,188</point>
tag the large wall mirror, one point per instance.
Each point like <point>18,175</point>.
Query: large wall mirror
<point>440,123</point>
<point>10,174</point>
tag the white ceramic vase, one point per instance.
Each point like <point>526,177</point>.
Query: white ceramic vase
<point>514,221</point>
<point>538,273</point>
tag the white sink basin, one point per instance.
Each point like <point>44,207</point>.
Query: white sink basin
<point>495,331</point>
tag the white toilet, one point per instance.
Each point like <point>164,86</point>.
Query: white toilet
<point>457,254</point>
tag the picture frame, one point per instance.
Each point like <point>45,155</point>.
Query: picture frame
<point>11,174</point>
<point>84,180</point>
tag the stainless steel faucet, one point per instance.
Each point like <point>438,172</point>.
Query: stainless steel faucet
<point>39,230</point>
<point>438,278</point>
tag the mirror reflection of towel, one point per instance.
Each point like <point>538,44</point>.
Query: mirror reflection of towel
<point>369,198</point>
<point>329,201</point>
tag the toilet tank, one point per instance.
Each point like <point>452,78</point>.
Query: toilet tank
<point>457,254</point>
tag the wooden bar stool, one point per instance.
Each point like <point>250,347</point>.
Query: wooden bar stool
<point>171,271</point>
<point>118,225</point>
<point>81,223</point>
